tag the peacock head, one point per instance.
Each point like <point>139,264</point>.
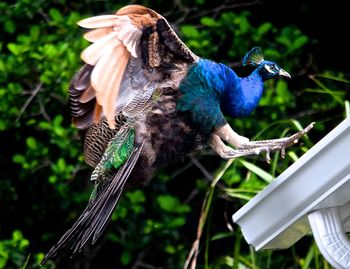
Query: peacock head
<point>266,69</point>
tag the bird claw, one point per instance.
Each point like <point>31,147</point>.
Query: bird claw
<point>268,146</point>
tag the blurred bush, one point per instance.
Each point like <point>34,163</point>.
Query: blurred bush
<point>44,181</point>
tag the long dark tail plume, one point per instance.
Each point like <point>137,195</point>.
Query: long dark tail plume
<point>92,222</point>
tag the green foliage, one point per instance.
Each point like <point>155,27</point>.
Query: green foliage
<point>44,182</point>
<point>170,203</point>
<point>14,253</point>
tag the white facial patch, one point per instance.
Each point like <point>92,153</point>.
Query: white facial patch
<point>268,68</point>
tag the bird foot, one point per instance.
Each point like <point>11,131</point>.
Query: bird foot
<point>268,146</point>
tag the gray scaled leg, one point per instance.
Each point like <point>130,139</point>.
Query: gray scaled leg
<point>246,147</point>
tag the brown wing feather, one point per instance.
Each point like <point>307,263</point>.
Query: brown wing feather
<point>173,42</point>
<point>87,95</point>
<point>134,31</point>
<point>82,112</point>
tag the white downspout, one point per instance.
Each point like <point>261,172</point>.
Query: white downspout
<point>329,234</point>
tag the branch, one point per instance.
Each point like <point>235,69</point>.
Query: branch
<point>29,99</point>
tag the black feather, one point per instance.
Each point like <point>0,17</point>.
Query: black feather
<point>172,41</point>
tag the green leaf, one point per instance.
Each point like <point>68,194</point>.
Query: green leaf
<point>190,31</point>
<point>14,48</point>
<point>257,170</point>
<point>222,235</point>
<point>31,143</point>
<point>176,222</point>
<point>45,125</point>
<point>18,158</point>
<point>55,15</point>
<point>244,24</point>
<point>171,204</point>
<point>2,69</point>
<point>61,164</point>
<point>35,32</point>
<point>136,196</point>
<point>170,249</point>
<point>207,21</point>
<point>4,255</point>
<point>23,243</point>
<point>17,235</point>
<point>264,28</point>
<point>284,40</point>
<point>168,202</point>
<point>241,193</point>
<point>52,179</point>
<point>347,108</point>
<point>339,77</point>
<point>10,27</point>
<point>125,258</point>
<point>272,54</point>
<point>293,155</point>
<point>299,42</point>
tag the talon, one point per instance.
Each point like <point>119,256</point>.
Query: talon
<point>227,155</point>
<point>257,151</point>
<point>283,152</point>
<point>268,159</point>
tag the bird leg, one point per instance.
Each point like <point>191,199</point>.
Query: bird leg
<point>246,147</point>
<point>230,136</point>
<point>220,148</point>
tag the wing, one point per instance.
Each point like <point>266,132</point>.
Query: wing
<point>133,53</point>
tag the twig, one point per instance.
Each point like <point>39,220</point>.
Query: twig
<point>193,193</point>
<point>139,259</point>
<point>181,169</point>
<point>193,254</point>
<point>205,172</point>
<point>29,100</point>
<point>43,110</point>
<point>215,11</point>
<point>202,168</point>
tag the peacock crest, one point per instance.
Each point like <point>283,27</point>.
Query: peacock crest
<point>254,57</point>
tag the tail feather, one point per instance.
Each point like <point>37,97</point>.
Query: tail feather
<point>94,219</point>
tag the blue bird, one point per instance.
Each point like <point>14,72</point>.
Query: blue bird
<point>144,100</point>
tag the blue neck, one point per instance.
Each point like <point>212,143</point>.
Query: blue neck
<point>210,90</point>
<point>241,95</point>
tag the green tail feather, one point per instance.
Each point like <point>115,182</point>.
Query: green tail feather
<point>119,149</point>
<point>117,152</point>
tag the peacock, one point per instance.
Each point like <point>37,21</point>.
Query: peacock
<point>143,100</point>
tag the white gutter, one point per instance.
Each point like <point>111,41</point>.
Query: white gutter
<point>285,210</point>
<point>328,231</point>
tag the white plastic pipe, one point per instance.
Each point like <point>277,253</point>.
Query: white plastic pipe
<point>329,234</point>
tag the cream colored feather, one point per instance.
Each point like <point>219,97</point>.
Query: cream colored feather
<point>126,31</point>
<point>94,52</point>
<point>106,78</point>
<point>96,34</point>
<point>99,21</point>
<point>114,40</point>
<point>130,36</point>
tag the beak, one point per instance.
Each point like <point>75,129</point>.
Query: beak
<point>284,73</point>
